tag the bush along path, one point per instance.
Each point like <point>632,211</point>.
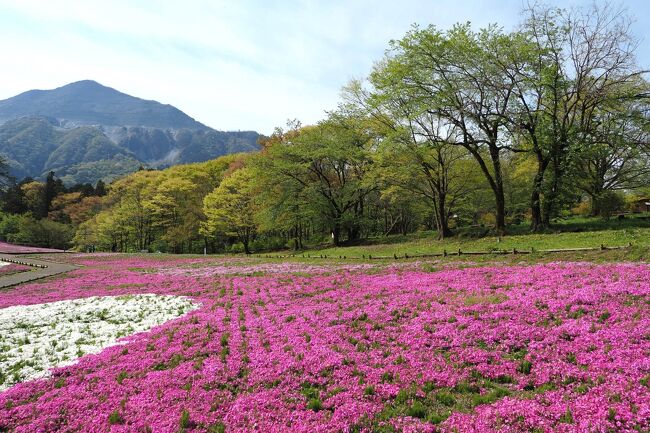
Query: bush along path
<point>40,269</point>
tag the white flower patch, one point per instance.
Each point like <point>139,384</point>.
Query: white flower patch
<point>4,264</point>
<point>35,338</point>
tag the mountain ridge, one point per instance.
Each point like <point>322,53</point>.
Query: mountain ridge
<point>89,102</point>
<point>85,131</point>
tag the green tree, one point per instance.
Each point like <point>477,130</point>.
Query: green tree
<point>42,233</point>
<point>34,198</point>
<point>455,79</point>
<point>13,198</point>
<point>149,209</point>
<point>53,187</point>
<point>618,156</point>
<point>327,164</point>
<point>100,188</point>
<point>572,65</point>
<point>230,208</point>
<point>417,151</point>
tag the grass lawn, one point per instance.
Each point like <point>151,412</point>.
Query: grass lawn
<point>573,233</point>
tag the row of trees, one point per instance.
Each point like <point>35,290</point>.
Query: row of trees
<point>563,89</point>
<point>556,110</point>
<point>156,210</point>
<point>450,129</point>
<point>45,213</point>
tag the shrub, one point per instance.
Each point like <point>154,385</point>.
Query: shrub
<point>525,366</point>
<point>115,418</point>
<point>315,404</point>
<point>567,417</point>
<point>217,427</point>
<point>417,410</point>
<point>437,418</point>
<point>184,422</point>
<point>121,376</point>
<point>504,378</point>
<point>608,203</point>
<point>445,398</point>
<point>466,388</point>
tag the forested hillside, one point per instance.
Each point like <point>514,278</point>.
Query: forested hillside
<point>86,132</point>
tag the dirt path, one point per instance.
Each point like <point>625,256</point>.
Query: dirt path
<point>41,269</point>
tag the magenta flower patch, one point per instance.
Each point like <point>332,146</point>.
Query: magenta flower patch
<point>273,348</point>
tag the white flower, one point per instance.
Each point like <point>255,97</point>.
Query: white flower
<point>35,338</point>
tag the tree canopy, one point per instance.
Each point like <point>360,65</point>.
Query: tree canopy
<point>453,130</point>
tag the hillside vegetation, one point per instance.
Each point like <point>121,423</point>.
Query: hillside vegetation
<point>87,132</point>
<point>477,138</point>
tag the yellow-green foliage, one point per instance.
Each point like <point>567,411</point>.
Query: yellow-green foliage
<point>162,208</point>
<point>230,207</point>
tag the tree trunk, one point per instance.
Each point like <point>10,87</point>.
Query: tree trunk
<point>595,203</point>
<point>499,196</point>
<point>537,223</point>
<point>551,197</point>
<point>354,233</point>
<point>336,234</point>
<point>501,211</point>
<point>442,218</point>
<point>495,179</point>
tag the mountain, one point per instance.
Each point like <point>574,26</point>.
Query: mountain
<point>89,103</point>
<point>85,131</point>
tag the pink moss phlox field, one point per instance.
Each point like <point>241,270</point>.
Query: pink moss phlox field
<point>20,249</point>
<point>13,268</point>
<point>288,347</point>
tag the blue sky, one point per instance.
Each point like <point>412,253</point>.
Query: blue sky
<point>247,64</point>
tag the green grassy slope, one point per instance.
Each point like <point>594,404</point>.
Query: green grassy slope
<point>574,233</point>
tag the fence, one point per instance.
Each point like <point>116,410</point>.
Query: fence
<point>444,253</point>
<point>20,262</point>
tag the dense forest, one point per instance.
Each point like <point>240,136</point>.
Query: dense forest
<point>457,130</point>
